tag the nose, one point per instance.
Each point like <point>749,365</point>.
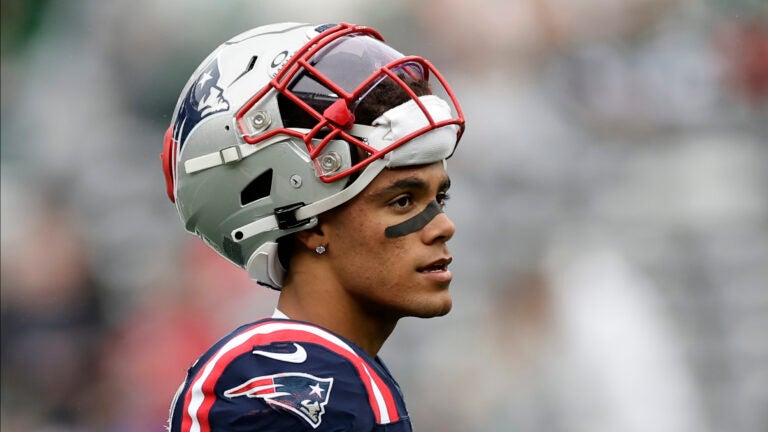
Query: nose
<point>439,229</point>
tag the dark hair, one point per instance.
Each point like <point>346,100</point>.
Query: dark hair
<point>386,95</point>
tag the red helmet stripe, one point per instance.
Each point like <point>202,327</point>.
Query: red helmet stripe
<point>168,159</point>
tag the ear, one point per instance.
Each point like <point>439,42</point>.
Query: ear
<point>311,238</point>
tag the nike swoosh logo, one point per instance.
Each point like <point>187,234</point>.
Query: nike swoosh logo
<point>298,356</point>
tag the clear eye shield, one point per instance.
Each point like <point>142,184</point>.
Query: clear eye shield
<point>342,85</point>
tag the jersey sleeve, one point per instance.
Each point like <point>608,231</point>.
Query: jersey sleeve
<point>282,376</point>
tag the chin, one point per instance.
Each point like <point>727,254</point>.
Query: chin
<point>434,310</point>
<point>444,311</point>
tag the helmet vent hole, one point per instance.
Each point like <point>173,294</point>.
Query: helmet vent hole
<point>258,188</point>
<point>248,68</point>
<point>251,63</point>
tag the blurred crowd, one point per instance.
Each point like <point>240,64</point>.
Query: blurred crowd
<point>611,198</point>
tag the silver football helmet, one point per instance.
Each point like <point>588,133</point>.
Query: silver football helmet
<point>286,121</point>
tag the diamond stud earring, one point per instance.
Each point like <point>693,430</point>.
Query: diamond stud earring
<point>320,250</point>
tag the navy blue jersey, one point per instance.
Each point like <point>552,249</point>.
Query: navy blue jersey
<point>284,375</point>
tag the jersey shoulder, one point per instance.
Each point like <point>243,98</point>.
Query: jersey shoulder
<point>276,373</point>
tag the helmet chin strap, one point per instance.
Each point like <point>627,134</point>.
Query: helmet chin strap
<point>309,211</point>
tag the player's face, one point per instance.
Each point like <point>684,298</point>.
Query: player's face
<point>388,246</point>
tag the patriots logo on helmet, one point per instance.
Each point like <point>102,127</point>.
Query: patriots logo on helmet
<point>204,97</point>
<point>300,393</point>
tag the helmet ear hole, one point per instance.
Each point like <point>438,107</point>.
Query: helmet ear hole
<point>258,188</point>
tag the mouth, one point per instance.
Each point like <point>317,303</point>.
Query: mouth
<point>438,266</point>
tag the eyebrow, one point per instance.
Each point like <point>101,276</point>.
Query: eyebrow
<point>410,184</point>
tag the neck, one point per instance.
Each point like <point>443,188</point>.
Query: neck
<point>313,297</point>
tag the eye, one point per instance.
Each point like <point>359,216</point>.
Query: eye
<point>402,202</point>
<point>442,198</point>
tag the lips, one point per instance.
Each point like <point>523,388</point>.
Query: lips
<point>440,265</point>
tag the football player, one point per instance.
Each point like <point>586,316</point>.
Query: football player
<point>314,157</point>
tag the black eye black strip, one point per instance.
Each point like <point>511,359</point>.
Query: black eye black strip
<point>415,223</point>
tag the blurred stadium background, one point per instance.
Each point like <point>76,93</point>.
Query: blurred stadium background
<point>611,193</point>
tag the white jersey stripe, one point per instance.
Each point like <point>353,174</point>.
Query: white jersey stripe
<point>379,398</point>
